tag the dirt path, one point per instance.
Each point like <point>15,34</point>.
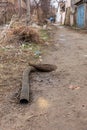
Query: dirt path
<point>59,99</point>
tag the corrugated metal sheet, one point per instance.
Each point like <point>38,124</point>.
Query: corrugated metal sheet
<point>80,15</point>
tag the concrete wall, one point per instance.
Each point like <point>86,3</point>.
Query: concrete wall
<point>71,20</point>
<point>67,16</point>
<point>70,13</point>
<point>58,16</point>
<point>63,18</point>
<point>67,12</point>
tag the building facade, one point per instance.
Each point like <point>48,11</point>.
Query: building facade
<point>64,12</point>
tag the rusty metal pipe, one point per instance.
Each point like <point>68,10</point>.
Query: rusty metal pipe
<point>24,96</point>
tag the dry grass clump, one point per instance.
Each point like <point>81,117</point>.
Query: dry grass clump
<point>26,34</point>
<point>22,34</point>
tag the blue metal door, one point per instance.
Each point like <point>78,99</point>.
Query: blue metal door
<point>81,15</point>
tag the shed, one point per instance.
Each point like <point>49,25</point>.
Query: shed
<point>81,13</point>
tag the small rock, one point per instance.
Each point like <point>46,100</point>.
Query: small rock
<point>40,60</point>
<point>44,27</point>
<point>47,43</point>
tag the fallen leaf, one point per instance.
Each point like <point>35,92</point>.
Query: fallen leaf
<point>74,87</point>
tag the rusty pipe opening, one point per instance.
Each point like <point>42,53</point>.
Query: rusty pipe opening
<point>24,101</point>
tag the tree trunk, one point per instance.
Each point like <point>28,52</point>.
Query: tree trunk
<point>28,11</point>
<point>45,6</point>
<point>19,6</point>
